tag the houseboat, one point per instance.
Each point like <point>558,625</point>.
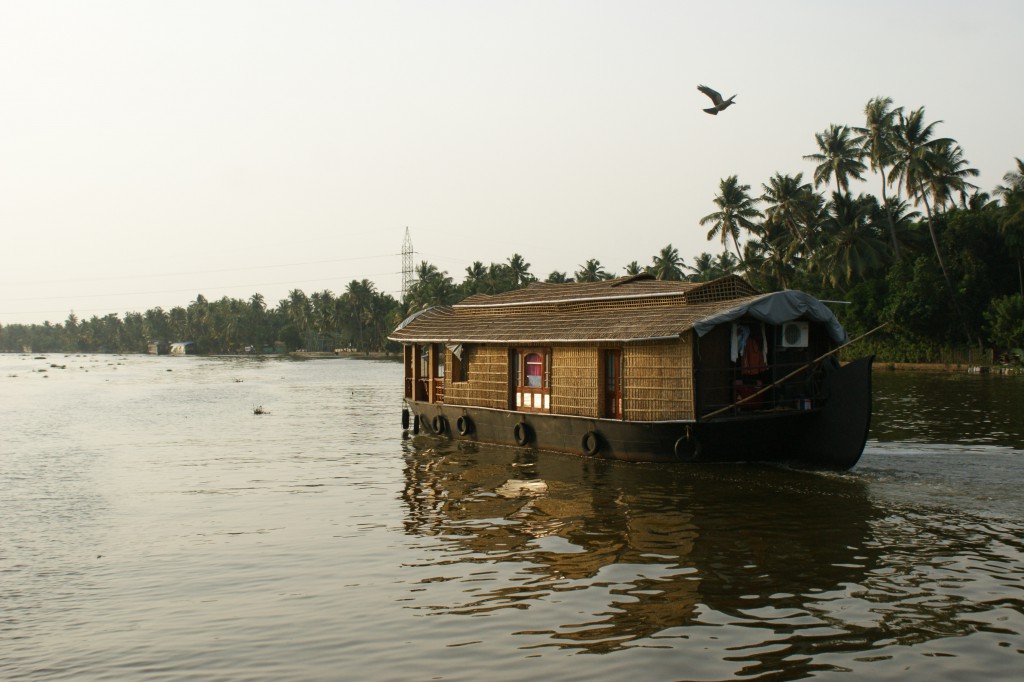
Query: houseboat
<point>183,348</point>
<point>642,370</point>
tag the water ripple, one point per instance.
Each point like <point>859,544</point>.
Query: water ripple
<point>154,527</point>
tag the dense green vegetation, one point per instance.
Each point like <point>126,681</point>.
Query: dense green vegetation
<point>932,253</point>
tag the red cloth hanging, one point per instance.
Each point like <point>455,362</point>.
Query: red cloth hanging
<point>753,361</point>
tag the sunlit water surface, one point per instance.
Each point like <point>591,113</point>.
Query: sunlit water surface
<point>153,526</point>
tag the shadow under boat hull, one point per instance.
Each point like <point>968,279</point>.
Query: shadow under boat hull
<point>831,436</point>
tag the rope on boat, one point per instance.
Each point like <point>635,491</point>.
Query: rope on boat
<point>798,370</point>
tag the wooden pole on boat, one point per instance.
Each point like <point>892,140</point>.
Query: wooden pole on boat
<point>792,374</point>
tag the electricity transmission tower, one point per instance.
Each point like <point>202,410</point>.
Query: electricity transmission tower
<point>407,267</point>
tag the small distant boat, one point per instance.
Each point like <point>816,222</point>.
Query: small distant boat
<point>183,348</point>
<point>641,370</point>
<point>158,348</point>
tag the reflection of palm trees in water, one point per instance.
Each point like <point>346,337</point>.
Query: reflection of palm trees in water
<point>663,545</point>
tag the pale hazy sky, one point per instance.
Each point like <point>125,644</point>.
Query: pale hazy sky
<point>150,151</point>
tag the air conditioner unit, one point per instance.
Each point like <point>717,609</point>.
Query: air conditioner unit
<point>795,334</point>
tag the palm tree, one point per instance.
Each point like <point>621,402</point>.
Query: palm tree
<point>707,267</point>
<point>667,265</point>
<point>322,317</point>
<point>877,143</point>
<point>852,250</point>
<point>1011,218</point>
<point>358,295</point>
<point>425,271</point>
<point>702,269</point>
<point>557,277</point>
<point>199,320</point>
<point>725,264</point>
<point>736,211</point>
<point>1014,180</point>
<point>157,324</point>
<point>914,149</point>
<point>771,263</point>
<point>177,323</point>
<point>520,270</point>
<point>790,202</point>
<point>256,320</point>
<point>839,157</point>
<point>949,173</point>
<point>298,312</point>
<point>474,281</point>
<point>633,268</point>
<point>899,217</point>
<point>499,279</point>
<point>381,307</point>
<point>592,271</point>
<point>432,287</point>
<point>765,263</point>
<point>979,201</point>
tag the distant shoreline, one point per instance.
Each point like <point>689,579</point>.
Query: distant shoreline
<point>879,366</point>
<point>949,368</point>
<point>355,355</point>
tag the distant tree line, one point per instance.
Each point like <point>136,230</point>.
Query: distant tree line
<point>360,318</point>
<point>932,253</point>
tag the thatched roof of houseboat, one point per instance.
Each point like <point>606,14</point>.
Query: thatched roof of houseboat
<point>624,309</point>
<point>637,308</point>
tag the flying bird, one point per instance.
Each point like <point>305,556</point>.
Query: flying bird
<point>720,104</point>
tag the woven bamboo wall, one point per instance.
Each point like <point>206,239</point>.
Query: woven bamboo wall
<point>657,380</point>
<point>574,380</point>
<point>488,378</point>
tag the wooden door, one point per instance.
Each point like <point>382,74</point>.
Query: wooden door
<point>612,383</point>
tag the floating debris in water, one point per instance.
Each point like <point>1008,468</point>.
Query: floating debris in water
<point>258,409</point>
<point>521,488</point>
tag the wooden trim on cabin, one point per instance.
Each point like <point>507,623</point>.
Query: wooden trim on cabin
<point>531,379</point>
<point>610,382</point>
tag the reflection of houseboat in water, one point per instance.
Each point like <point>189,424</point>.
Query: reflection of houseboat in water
<point>643,370</point>
<point>708,539</point>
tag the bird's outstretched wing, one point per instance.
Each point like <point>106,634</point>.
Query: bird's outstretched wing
<point>714,95</point>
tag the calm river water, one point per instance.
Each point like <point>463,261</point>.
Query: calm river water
<point>153,527</point>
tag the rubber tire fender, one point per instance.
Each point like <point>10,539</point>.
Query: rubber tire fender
<point>687,448</point>
<point>464,425</point>
<point>591,443</point>
<point>521,433</point>
<point>439,424</point>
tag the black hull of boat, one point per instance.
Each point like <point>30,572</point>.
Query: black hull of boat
<point>828,437</point>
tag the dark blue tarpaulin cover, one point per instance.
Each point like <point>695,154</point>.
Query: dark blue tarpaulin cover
<point>776,308</point>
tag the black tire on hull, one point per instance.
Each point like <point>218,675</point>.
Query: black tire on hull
<point>521,433</point>
<point>687,448</point>
<point>591,443</point>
